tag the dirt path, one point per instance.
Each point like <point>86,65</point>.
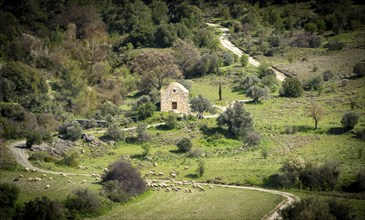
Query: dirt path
<point>19,151</point>
<point>274,214</point>
<point>21,156</point>
<point>223,39</point>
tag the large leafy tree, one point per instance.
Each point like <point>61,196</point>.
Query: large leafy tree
<point>237,119</point>
<point>200,104</point>
<point>155,68</point>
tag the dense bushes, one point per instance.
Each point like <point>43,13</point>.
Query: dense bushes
<point>83,201</point>
<point>7,161</point>
<point>71,160</point>
<point>115,133</point>
<point>307,40</point>
<point>311,208</point>
<point>349,120</point>
<point>358,185</point>
<point>171,121</point>
<point>315,84</point>
<point>43,208</point>
<point>291,87</point>
<point>71,131</point>
<point>9,193</point>
<point>359,69</point>
<point>122,181</point>
<point>184,145</point>
<point>298,174</point>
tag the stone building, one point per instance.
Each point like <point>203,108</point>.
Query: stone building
<point>175,97</point>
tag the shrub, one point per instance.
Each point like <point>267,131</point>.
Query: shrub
<point>311,208</point>
<point>71,131</point>
<point>142,134</point>
<point>265,70</point>
<point>71,160</point>
<point>290,129</point>
<point>320,178</point>
<point>335,45</point>
<point>115,133</point>
<point>253,138</point>
<point>33,137</point>
<point>359,69</point>
<point>146,149</point>
<point>315,83</point>
<point>43,208</point>
<point>307,40</point>
<point>264,152</point>
<point>195,152</point>
<point>327,75</point>
<point>7,161</point>
<point>227,58</point>
<point>83,201</point>
<point>244,60</point>
<point>358,185</point>
<point>40,156</point>
<point>201,168</point>
<point>349,120</point>
<point>271,82</point>
<point>184,145</point>
<point>171,121</point>
<point>9,193</point>
<point>144,110</point>
<point>292,87</point>
<point>122,181</point>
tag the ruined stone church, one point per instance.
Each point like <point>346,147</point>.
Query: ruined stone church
<point>175,98</point>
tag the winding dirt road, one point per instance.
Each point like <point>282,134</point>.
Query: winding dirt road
<point>21,156</point>
<point>223,39</point>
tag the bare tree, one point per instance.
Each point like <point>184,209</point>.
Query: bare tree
<point>316,112</point>
<point>155,67</point>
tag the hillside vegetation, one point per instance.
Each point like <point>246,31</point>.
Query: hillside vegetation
<point>80,82</point>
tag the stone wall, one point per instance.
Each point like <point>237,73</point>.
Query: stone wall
<point>175,97</point>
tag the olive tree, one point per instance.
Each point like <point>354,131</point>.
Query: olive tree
<point>238,120</point>
<point>200,104</point>
<point>256,93</point>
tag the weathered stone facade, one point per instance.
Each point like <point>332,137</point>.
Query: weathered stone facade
<point>175,97</point>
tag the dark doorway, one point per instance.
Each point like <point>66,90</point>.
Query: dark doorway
<point>174,105</point>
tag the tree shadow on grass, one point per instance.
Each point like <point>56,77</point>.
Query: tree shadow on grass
<point>217,130</point>
<point>177,151</point>
<point>192,176</point>
<point>336,131</point>
<point>139,156</point>
<point>163,128</point>
<point>304,128</point>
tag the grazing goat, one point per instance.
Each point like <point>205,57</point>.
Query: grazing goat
<point>47,186</point>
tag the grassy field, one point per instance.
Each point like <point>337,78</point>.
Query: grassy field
<point>59,186</point>
<point>216,203</point>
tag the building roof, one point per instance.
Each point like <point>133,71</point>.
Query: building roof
<point>176,85</point>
